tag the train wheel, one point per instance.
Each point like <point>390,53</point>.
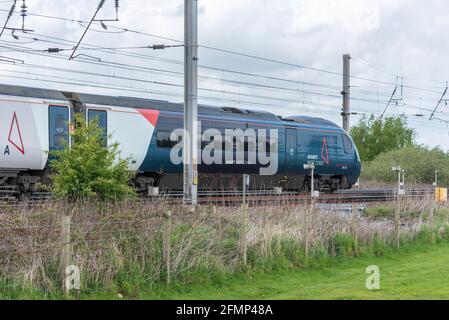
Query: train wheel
<point>306,186</point>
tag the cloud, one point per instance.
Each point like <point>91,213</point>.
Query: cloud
<point>349,16</point>
<point>386,38</point>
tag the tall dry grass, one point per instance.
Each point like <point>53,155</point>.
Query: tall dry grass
<point>114,244</point>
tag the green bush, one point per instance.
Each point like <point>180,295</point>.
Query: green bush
<point>379,247</point>
<point>419,162</point>
<point>87,168</point>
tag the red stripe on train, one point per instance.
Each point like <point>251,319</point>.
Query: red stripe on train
<point>151,115</point>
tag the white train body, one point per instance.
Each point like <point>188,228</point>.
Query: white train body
<point>31,127</point>
<point>24,132</point>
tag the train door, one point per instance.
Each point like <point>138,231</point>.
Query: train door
<point>101,116</point>
<point>291,149</point>
<point>346,152</point>
<point>59,118</point>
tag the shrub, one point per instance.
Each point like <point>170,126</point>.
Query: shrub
<point>343,245</point>
<point>420,164</point>
<point>89,169</point>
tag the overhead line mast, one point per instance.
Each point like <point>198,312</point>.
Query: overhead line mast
<point>346,91</point>
<point>190,102</point>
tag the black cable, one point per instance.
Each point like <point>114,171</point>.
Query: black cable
<point>100,5</point>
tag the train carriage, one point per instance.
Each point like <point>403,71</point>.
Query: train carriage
<point>35,121</point>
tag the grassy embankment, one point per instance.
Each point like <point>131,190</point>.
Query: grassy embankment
<point>118,249</point>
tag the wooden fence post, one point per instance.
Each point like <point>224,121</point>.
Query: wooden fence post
<point>167,243</point>
<point>306,231</point>
<point>431,212</point>
<point>354,221</point>
<point>218,217</point>
<point>397,217</point>
<point>66,250</point>
<point>244,233</point>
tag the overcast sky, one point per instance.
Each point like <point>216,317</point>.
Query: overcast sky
<point>386,39</point>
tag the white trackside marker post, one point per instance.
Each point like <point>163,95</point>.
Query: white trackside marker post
<point>397,215</point>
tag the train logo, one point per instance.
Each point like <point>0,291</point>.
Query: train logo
<point>15,136</point>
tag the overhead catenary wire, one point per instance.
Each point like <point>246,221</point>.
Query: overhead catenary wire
<point>235,101</point>
<point>10,13</point>
<point>212,68</point>
<point>243,73</point>
<point>204,89</point>
<point>233,52</point>
<point>439,102</point>
<point>237,72</point>
<point>253,104</point>
<point>278,88</point>
<point>100,5</point>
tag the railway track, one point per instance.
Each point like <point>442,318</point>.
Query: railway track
<point>10,197</point>
<point>344,196</point>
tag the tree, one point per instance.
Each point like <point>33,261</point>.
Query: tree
<point>374,136</point>
<point>419,162</point>
<point>88,168</point>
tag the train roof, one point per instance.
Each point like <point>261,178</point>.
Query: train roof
<point>132,102</point>
<point>314,121</point>
<point>129,102</point>
<point>18,91</point>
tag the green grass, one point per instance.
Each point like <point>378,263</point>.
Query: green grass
<point>417,274</point>
<point>417,271</point>
<point>412,273</point>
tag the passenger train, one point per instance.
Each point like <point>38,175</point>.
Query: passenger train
<point>35,121</point>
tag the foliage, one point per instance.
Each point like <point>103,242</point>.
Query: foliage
<point>419,163</point>
<point>374,136</point>
<point>119,247</point>
<point>87,168</point>
<point>343,245</point>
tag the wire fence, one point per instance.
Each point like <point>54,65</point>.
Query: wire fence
<point>44,246</point>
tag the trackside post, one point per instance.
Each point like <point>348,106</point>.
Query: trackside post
<point>66,250</point>
<point>167,235</point>
<point>397,214</point>
<point>354,222</point>
<point>244,233</point>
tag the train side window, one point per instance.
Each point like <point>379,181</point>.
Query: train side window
<point>163,139</point>
<point>332,143</point>
<point>59,118</point>
<point>347,144</point>
<point>101,116</point>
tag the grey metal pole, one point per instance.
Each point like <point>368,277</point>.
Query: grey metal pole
<point>190,101</point>
<point>436,179</point>
<point>346,91</point>
<point>312,184</point>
